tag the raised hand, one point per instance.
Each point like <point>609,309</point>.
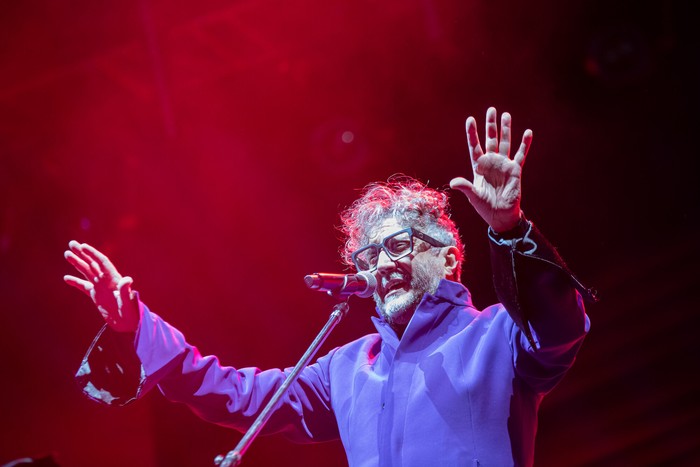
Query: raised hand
<point>495,192</point>
<point>109,290</point>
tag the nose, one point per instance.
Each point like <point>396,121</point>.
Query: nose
<point>384,264</point>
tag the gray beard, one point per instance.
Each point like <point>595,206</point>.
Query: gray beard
<point>425,279</point>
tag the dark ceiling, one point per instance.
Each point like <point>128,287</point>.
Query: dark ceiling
<point>208,146</point>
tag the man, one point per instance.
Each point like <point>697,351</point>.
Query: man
<point>440,383</point>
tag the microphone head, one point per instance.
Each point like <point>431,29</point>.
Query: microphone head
<point>371,284</point>
<point>310,280</point>
<point>362,284</point>
<point>325,281</point>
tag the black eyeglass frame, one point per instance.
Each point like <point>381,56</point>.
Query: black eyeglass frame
<point>382,246</point>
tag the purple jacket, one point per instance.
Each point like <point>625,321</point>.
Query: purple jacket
<point>461,387</point>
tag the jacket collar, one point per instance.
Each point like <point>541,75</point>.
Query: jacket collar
<point>433,311</point>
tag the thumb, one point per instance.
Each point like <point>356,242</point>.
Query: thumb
<point>465,186</point>
<point>124,289</point>
<point>128,310</point>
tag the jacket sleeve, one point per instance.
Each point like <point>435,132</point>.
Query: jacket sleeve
<point>120,368</point>
<point>542,296</point>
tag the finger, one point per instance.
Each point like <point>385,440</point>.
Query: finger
<point>491,130</point>
<point>81,266</point>
<point>94,272</point>
<point>524,148</point>
<point>80,284</point>
<point>102,261</point>
<point>475,151</point>
<point>77,250</point>
<point>504,145</point>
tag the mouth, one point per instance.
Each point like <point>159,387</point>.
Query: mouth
<point>393,287</point>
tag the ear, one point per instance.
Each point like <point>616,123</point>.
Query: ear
<point>453,263</point>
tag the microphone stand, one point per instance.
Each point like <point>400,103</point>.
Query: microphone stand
<point>233,458</point>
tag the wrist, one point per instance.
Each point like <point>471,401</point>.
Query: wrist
<point>518,230</point>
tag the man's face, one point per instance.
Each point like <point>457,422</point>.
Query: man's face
<point>401,284</point>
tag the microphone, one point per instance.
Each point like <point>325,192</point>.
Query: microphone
<point>362,284</point>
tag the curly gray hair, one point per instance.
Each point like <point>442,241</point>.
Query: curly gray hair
<point>410,202</point>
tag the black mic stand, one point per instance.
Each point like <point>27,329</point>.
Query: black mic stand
<point>233,457</point>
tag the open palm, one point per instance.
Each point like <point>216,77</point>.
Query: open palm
<point>495,191</point>
<point>109,290</point>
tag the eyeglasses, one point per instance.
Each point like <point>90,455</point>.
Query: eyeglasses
<point>396,246</point>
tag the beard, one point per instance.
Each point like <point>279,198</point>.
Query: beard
<point>398,308</point>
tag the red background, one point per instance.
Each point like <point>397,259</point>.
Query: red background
<point>200,145</point>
